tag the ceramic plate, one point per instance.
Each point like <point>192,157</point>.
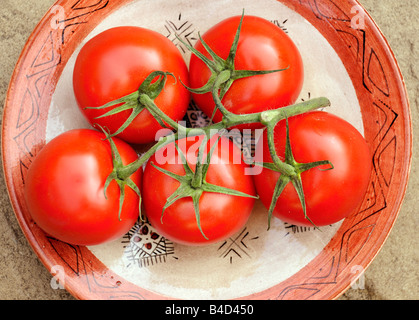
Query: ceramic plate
<point>346,59</point>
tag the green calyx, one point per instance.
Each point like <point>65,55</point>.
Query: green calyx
<point>117,175</point>
<point>193,184</point>
<point>138,100</point>
<point>290,170</point>
<point>223,72</point>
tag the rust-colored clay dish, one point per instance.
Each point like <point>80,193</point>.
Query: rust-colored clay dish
<point>346,59</point>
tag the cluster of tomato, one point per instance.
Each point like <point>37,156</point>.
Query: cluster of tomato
<point>77,184</point>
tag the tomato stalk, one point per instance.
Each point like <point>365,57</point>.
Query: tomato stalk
<point>148,90</point>
<point>268,118</point>
<point>193,184</point>
<point>293,175</point>
<point>118,176</point>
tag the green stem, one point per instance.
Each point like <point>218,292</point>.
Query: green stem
<point>129,169</point>
<point>276,115</point>
<point>156,112</point>
<point>272,117</point>
<point>222,78</point>
<point>282,167</point>
<point>269,118</point>
<point>197,179</point>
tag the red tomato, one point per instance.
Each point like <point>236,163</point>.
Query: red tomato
<point>330,195</point>
<point>64,189</point>
<point>262,46</point>
<point>221,215</point>
<point>114,64</point>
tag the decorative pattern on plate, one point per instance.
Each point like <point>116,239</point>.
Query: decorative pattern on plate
<point>144,246</point>
<point>180,28</point>
<point>236,247</point>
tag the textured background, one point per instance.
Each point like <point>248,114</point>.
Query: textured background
<point>393,275</point>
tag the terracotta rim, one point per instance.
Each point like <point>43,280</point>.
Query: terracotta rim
<point>386,114</point>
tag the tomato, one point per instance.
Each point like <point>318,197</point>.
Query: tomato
<point>330,195</point>
<point>114,64</point>
<point>221,215</point>
<point>64,189</point>
<point>262,46</point>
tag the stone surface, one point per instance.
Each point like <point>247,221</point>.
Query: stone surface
<point>393,275</point>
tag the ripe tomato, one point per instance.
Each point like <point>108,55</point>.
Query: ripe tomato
<point>64,189</point>
<point>261,46</point>
<point>221,215</point>
<point>114,64</point>
<point>330,195</point>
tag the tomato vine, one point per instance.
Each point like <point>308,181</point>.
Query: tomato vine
<point>193,184</point>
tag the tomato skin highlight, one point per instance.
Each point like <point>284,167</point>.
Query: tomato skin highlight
<point>262,46</point>
<point>114,63</point>
<point>64,189</point>
<point>330,195</point>
<point>221,215</point>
